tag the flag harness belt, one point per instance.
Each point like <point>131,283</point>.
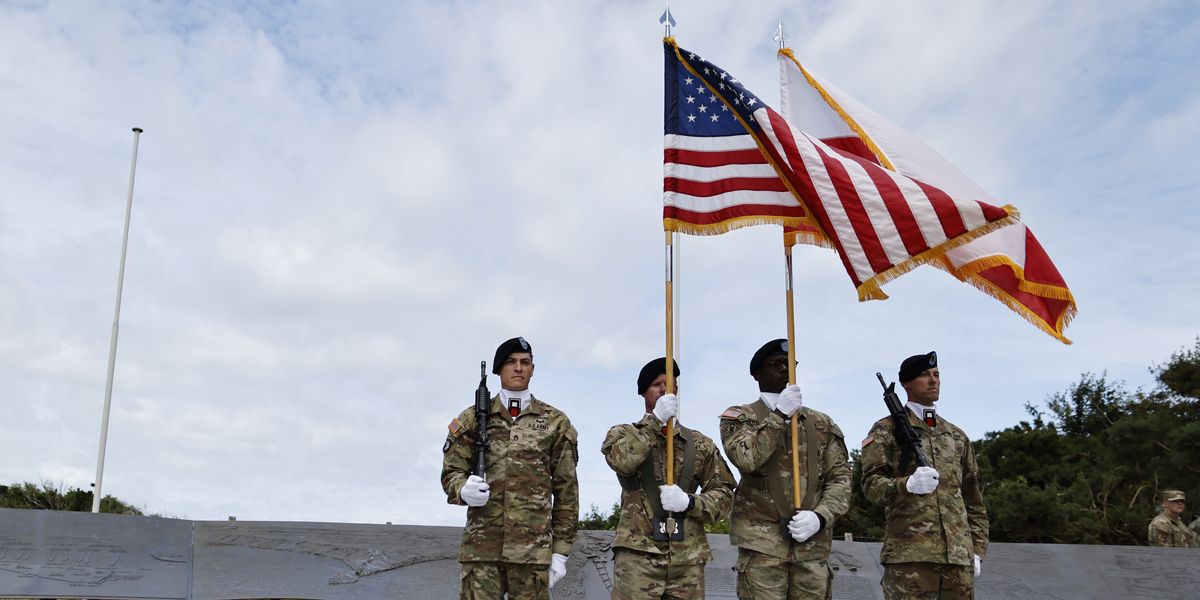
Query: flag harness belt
<point>646,482</point>
<point>773,480</point>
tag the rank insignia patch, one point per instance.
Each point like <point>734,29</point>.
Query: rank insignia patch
<point>870,438</point>
<point>455,426</point>
<point>731,413</point>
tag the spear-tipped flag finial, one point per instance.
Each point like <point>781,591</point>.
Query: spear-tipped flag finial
<point>667,19</point>
<point>781,36</point>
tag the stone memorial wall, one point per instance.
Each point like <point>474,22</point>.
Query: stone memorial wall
<point>46,554</point>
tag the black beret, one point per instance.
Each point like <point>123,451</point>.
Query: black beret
<point>513,346</point>
<point>651,371</point>
<point>915,365</point>
<point>771,348</point>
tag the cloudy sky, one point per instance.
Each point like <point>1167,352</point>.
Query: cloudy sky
<point>341,208</point>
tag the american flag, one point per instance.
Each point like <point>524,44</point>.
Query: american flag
<point>715,177</point>
<point>882,223</point>
<point>1008,264</point>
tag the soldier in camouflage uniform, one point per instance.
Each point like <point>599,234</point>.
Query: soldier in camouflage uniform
<point>521,521</point>
<point>1167,529</point>
<point>757,440</point>
<point>646,567</point>
<point>1195,529</point>
<point>937,526</point>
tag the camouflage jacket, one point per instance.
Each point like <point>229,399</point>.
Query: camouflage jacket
<point>947,526</point>
<point>1195,529</point>
<point>1166,530</point>
<point>626,447</point>
<point>750,443</point>
<point>533,509</point>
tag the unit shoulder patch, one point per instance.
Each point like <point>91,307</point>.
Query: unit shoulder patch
<point>870,438</point>
<point>731,414</point>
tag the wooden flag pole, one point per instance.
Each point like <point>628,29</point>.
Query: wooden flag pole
<point>791,333</point>
<point>670,366</point>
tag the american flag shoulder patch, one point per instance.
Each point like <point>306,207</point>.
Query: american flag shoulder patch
<point>455,426</point>
<point>870,438</point>
<point>731,414</point>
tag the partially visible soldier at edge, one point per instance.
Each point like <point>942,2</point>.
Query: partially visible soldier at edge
<point>936,530</point>
<point>1167,529</point>
<point>646,567</point>
<point>757,440</point>
<point>1195,529</point>
<point>517,539</point>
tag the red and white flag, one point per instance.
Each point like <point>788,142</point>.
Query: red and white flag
<point>1008,263</point>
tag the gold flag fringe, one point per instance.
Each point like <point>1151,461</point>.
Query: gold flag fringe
<point>725,226</point>
<point>969,273</point>
<point>869,289</point>
<point>843,114</point>
<point>808,238</point>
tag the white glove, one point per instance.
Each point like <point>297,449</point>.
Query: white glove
<point>674,499</point>
<point>790,400</point>
<point>978,566</point>
<point>666,407</point>
<point>923,481</point>
<point>558,568</point>
<point>804,525</point>
<point>475,491</point>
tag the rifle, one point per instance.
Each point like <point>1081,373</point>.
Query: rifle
<point>909,442</point>
<point>483,406</point>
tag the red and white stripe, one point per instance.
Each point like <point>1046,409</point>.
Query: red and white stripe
<point>710,182</point>
<point>878,219</point>
<point>1009,264</point>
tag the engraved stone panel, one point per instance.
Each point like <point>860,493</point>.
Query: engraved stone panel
<point>856,574</point>
<point>246,559</point>
<point>1138,572</point>
<point>856,571</point>
<point>71,555</point>
<point>45,554</point>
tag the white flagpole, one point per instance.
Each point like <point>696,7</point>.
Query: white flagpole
<point>678,305</point>
<point>112,347</point>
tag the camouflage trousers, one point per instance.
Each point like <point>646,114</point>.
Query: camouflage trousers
<point>765,577</point>
<point>491,580</point>
<point>642,575</point>
<point>928,581</point>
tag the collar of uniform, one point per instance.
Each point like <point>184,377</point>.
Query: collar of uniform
<point>915,420</point>
<point>535,406</point>
<point>500,408</point>
<point>658,426</point>
<point>769,399</point>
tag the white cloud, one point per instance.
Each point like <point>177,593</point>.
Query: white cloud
<point>341,209</point>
